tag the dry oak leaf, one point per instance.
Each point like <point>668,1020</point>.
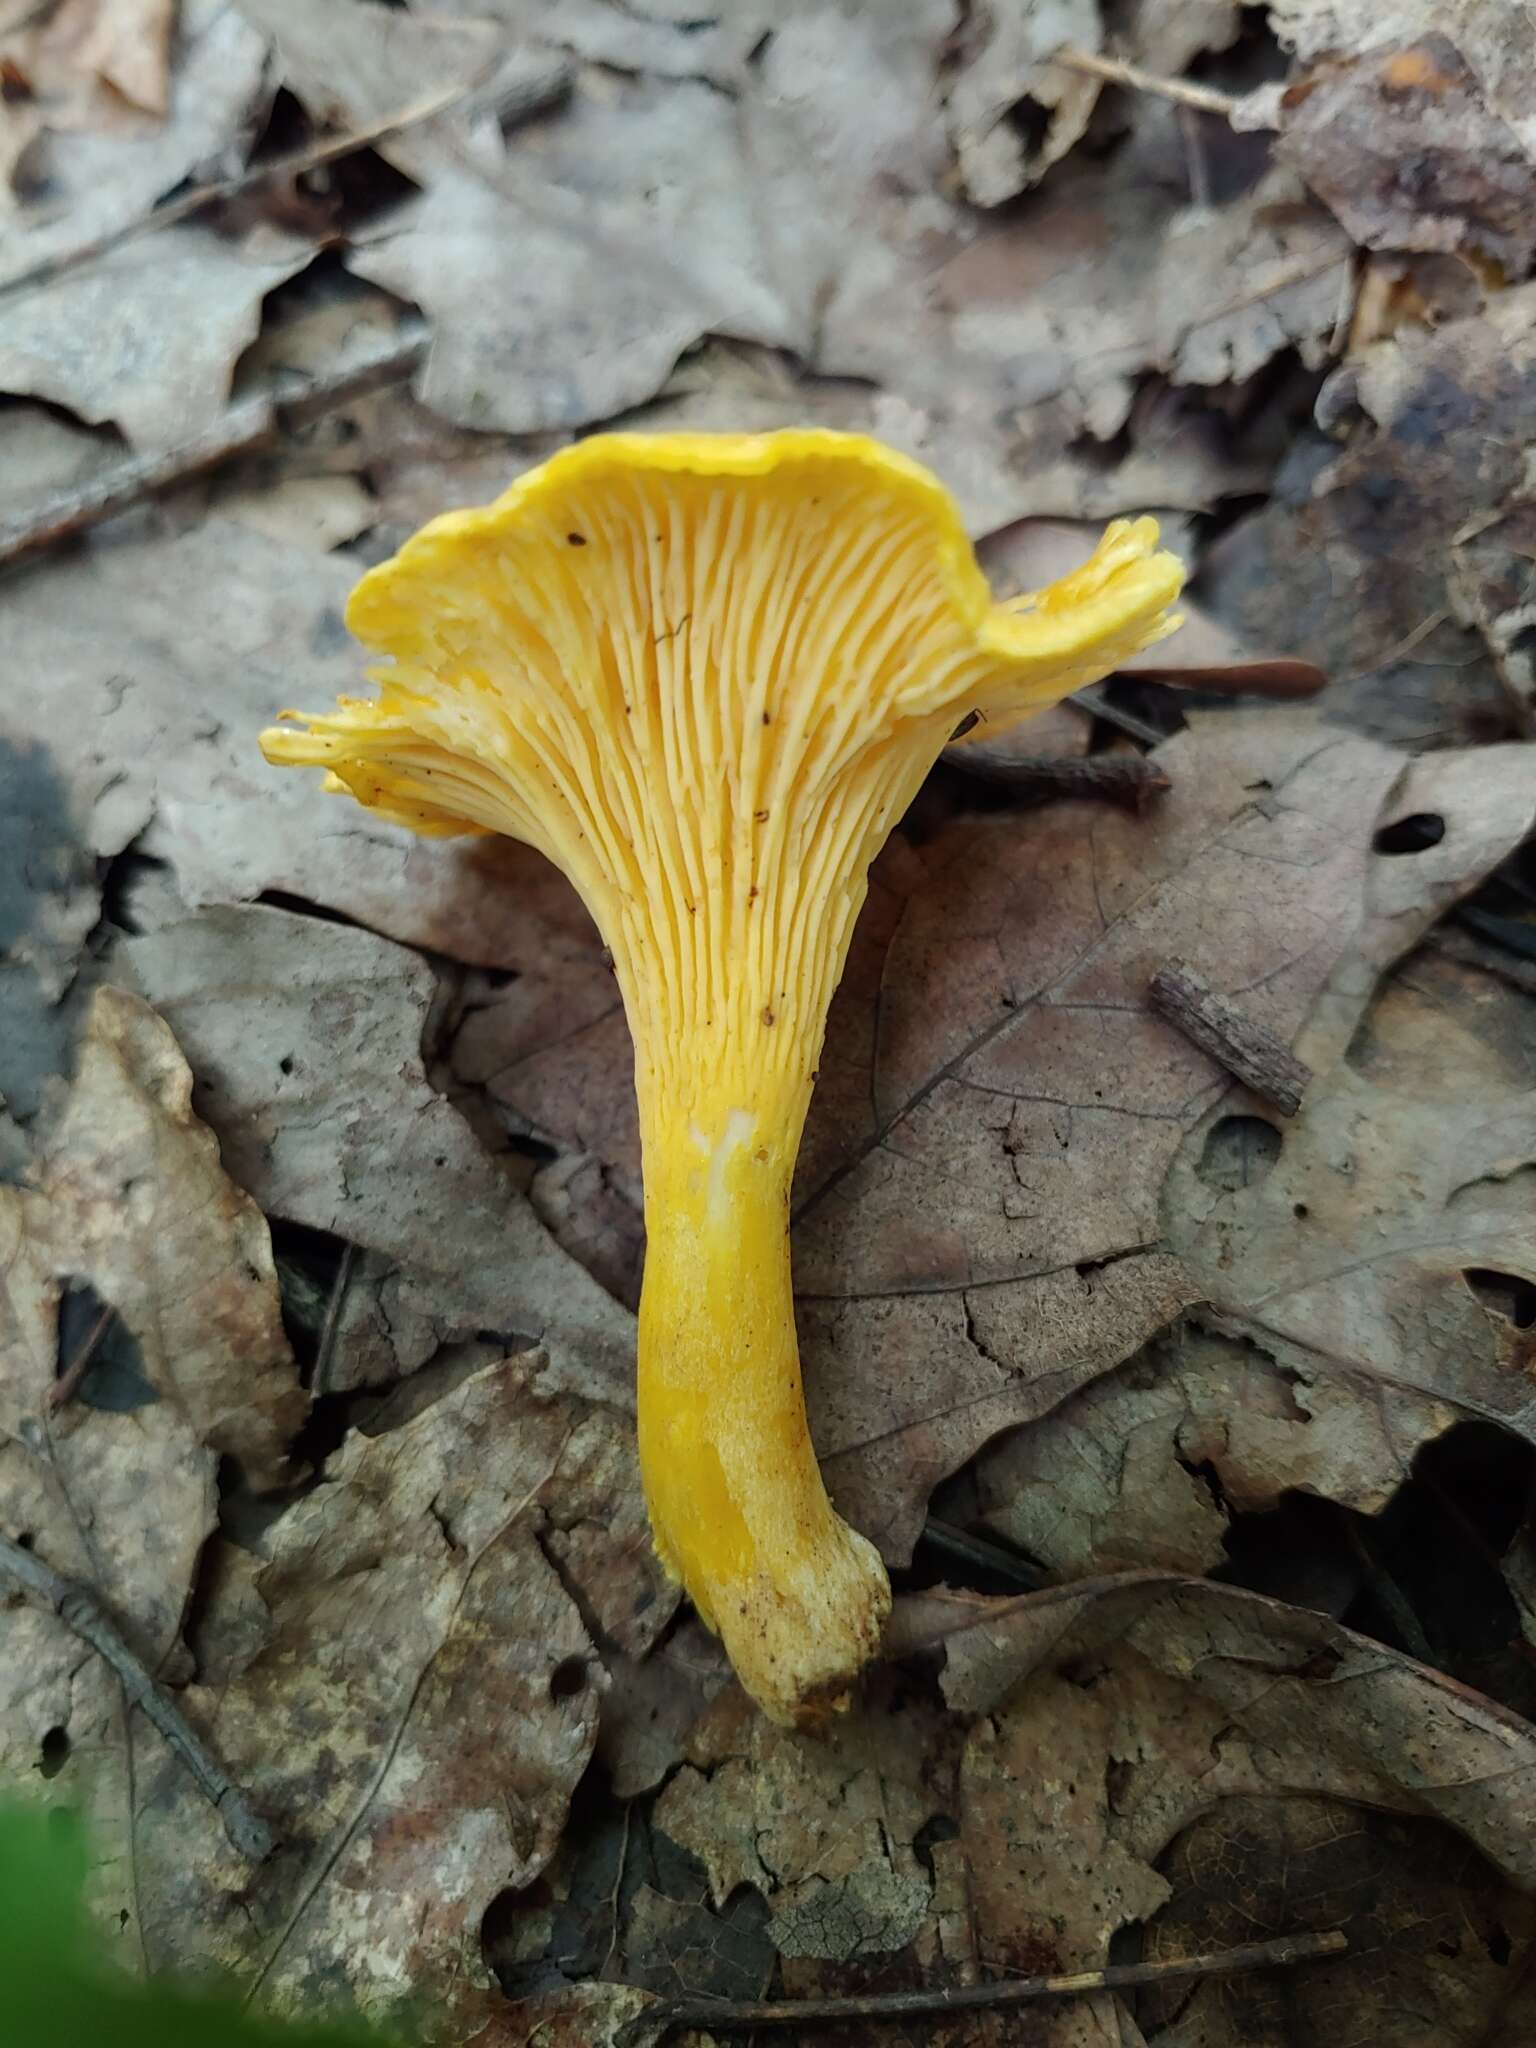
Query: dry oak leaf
<point>306,1040</point>
<point>415,1704</point>
<point>1350,1246</point>
<point>1126,1727</point>
<point>147,337</point>
<point>1356,563</point>
<point>127,1193</point>
<point>982,1223</point>
<point>100,178</point>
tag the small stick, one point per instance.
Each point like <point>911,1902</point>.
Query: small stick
<point>1129,779</point>
<point>332,1323</point>
<point>1114,71</point>
<point>976,1551</point>
<point>244,428</point>
<point>1257,1058</point>
<point>1093,700</point>
<point>67,1385</point>
<point>723,2015</point>
<point>81,1613</point>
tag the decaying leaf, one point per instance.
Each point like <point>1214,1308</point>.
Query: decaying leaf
<point>1136,1731</point>
<point>1355,123</point>
<point>1356,560</point>
<point>117,1489</point>
<point>97,179</point>
<point>306,1039</point>
<point>983,1222</point>
<point>147,336</point>
<point>415,1703</point>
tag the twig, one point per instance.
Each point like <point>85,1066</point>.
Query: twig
<point>294,165</point>
<point>1258,1059</point>
<point>1093,700</point>
<point>1279,679</point>
<point>1129,779</point>
<point>67,1385</point>
<point>1115,71</point>
<point>332,1322</point>
<point>245,427</point>
<point>721,2015</point>
<point>80,1612</point>
<point>977,1552</point>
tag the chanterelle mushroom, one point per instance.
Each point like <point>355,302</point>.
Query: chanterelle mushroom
<point>705,674</point>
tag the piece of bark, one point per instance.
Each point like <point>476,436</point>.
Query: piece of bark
<point>1254,1055</point>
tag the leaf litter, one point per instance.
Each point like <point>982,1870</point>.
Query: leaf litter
<point>342,1235</point>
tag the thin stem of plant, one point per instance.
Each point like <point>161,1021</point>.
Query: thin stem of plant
<point>80,1611</point>
<point>320,1383</point>
<point>719,2015</point>
<point>67,1385</point>
<point>1115,71</point>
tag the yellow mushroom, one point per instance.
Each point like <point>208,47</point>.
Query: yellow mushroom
<point>705,674</point>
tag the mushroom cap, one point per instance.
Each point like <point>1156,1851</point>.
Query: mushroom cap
<point>713,537</point>
<point>705,673</point>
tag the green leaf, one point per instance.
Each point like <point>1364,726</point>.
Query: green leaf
<point>55,1992</point>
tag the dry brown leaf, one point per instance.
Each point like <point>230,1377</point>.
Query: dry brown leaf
<point>1352,122</point>
<point>423,1700</point>
<point>96,180</point>
<point>306,1039</point>
<point>991,343</point>
<point>1355,561</point>
<point>118,1489</point>
<point>80,64</point>
<point>1134,1729</point>
<point>146,337</point>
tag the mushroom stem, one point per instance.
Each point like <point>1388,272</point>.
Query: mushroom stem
<point>736,1496</point>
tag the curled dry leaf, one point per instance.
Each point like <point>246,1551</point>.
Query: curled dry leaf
<point>127,1195</point>
<point>1134,1729</point>
<point>414,1703</point>
<point>1007,76</point>
<point>1147,1466</point>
